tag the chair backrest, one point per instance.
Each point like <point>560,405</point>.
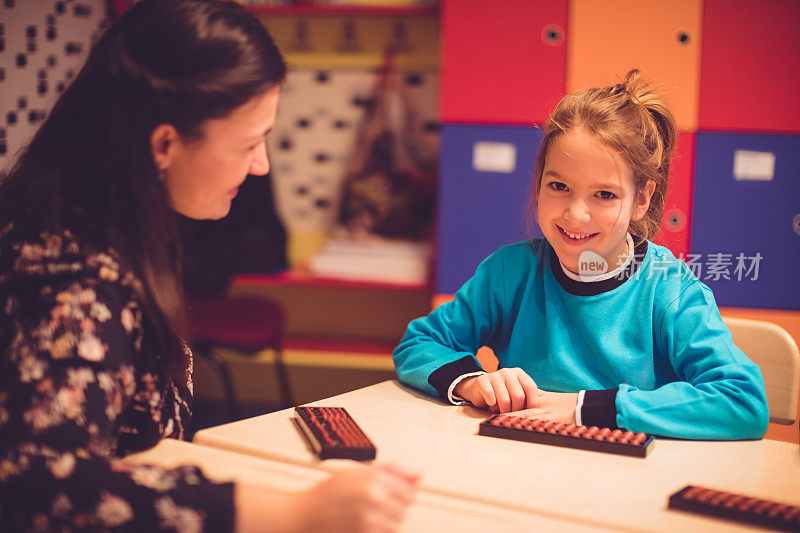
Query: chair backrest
<point>775,352</point>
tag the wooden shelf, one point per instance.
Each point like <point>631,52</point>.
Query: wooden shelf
<point>364,312</point>
<point>344,10</point>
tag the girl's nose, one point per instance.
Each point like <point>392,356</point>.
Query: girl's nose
<point>577,211</point>
<point>260,164</point>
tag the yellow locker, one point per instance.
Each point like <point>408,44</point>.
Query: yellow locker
<point>608,37</point>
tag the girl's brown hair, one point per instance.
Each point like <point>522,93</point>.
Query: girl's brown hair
<point>631,118</point>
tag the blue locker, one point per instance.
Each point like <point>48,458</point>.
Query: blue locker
<point>742,211</point>
<point>481,209</point>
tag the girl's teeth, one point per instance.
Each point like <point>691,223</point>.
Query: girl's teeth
<point>576,235</point>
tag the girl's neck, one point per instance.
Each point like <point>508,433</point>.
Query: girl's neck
<point>621,266</point>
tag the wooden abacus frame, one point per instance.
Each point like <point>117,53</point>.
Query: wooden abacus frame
<point>567,435</point>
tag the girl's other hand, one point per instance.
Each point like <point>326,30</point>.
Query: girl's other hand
<point>555,406</point>
<point>508,389</point>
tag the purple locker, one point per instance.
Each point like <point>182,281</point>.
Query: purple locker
<point>485,176</point>
<point>746,218</point>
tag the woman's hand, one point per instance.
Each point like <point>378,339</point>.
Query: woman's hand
<point>555,406</point>
<point>363,499</point>
<point>359,499</point>
<point>508,389</point>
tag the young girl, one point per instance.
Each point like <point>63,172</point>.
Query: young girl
<point>640,346</point>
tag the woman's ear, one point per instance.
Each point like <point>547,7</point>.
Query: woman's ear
<point>162,145</point>
<point>643,200</point>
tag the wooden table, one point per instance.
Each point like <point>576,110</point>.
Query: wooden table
<point>429,512</point>
<point>574,486</point>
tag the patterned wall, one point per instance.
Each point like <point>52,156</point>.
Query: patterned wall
<point>43,43</point>
<point>333,62</point>
<point>318,121</point>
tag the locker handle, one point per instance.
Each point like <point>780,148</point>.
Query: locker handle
<point>553,35</point>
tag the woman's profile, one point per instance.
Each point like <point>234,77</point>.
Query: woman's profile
<point>169,114</point>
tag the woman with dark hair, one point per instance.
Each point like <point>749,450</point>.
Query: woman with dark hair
<point>169,114</point>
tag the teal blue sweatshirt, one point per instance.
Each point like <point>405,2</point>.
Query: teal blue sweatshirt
<point>650,349</point>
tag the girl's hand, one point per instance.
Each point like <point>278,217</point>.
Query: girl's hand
<point>508,389</point>
<point>370,498</point>
<point>555,406</point>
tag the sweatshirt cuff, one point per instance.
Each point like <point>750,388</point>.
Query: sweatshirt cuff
<point>599,408</point>
<point>578,408</point>
<point>441,378</point>
<point>454,398</point>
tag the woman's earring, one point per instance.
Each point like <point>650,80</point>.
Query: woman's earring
<point>162,173</point>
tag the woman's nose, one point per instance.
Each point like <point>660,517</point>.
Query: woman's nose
<point>260,164</point>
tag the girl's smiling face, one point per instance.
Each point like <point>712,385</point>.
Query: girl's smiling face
<point>587,199</point>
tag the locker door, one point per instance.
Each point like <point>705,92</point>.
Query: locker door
<point>484,185</point>
<point>750,69</point>
<point>747,202</point>
<point>502,62</point>
<point>676,222</point>
<point>662,39</point>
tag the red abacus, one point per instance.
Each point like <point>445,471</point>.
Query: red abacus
<point>738,507</point>
<point>567,435</point>
<point>333,434</point>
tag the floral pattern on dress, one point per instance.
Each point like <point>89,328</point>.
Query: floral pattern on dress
<point>82,384</point>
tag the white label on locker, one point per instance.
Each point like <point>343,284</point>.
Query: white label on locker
<point>750,165</point>
<point>494,157</point>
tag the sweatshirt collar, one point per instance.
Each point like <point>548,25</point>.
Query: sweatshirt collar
<point>604,282</point>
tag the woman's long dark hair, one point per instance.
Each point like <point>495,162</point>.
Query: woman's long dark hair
<point>180,62</point>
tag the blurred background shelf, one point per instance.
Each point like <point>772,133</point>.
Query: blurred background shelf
<point>404,11</point>
<point>339,310</point>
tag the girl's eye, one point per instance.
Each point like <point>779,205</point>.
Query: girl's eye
<point>557,186</point>
<point>605,195</point>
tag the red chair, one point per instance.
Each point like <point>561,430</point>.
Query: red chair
<point>242,323</point>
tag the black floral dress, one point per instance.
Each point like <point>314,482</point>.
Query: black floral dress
<point>80,387</point>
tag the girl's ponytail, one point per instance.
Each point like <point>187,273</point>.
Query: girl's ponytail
<point>663,120</point>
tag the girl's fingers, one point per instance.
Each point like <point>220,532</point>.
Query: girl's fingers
<point>486,391</point>
<point>530,388</point>
<point>515,392</point>
<point>475,394</point>
<point>500,392</point>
